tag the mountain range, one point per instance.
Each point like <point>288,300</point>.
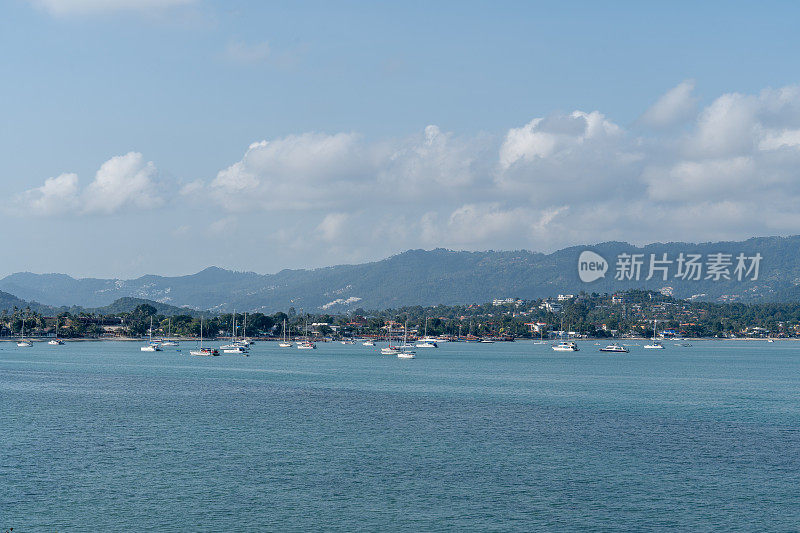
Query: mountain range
<point>439,276</point>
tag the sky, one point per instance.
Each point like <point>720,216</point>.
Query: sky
<point>165,136</point>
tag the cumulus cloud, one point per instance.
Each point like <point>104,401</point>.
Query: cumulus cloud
<point>674,107</point>
<point>57,196</point>
<point>546,182</point>
<point>122,181</point>
<point>70,7</point>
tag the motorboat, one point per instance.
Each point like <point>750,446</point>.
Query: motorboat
<point>426,344</point>
<point>235,350</point>
<point>614,348</point>
<point>204,351</point>
<point>306,345</point>
<point>565,347</point>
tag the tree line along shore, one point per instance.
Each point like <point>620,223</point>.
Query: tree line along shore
<point>628,314</point>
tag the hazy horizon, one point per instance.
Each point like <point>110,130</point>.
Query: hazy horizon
<point>169,135</point>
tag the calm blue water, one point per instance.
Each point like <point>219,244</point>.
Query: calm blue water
<point>502,437</point>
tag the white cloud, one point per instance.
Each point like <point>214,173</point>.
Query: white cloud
<point>674,107</point>
<point>121,182</point>
<point>125,180</point>
<point>57,196</point>
<point>565,178</point>
<point>79,7</point>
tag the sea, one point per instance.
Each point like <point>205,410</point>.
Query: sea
<point>99,436</point>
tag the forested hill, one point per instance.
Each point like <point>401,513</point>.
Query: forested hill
<point>419,277</point>
<point>9,302</point>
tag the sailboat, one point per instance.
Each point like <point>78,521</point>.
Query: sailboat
<point>22,343</point>
<point>169,341</point>
<point>233,343</point>
<point>203,351</point>
<point>426,342</point>
<point>284,343</point>
<point>56,341</point>
<point>655,345</point>
<point>236,347</point>
<point>306,344</point>
<point>151,346</point>
<point>405,353</point>
<point>389,350</point>
<point>244,341</point>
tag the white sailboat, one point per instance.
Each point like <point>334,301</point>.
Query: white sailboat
<point>244,341</point>
<point>22,343</point>
<point>405,353</point>
<point>201,350</point>
<point>654,345</point>
<point>56,341</point>
<point>151,346</point>
<point>236,347</point>
<point>169,341</point>
<point>389,350</point>
<point>285,343</point>
<point>306,344</point>
<point>425,341</point>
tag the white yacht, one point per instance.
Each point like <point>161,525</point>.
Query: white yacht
<point>368,343</point>
<point>614,348</point>
<point>565,347</point>
<point>236,350</point>
<point>426,342</point>
<point>151,346</point>
<point>203,351</point>
<point>22,343</point>
<point>654,345</point>
<point>348,341</point>
<point>405,353</point>
<point>56,341</point>
<point>234,342</point>
<point>285,343</point>
<point>306,344</point>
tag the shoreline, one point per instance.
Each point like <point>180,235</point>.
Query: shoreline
<point>587,339</point>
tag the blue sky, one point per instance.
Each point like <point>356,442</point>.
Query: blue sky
<point>386,126</point>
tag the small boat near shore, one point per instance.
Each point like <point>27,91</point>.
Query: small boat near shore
<point>615,348</point>
<point>208,352</point>
<point>151,346</point>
